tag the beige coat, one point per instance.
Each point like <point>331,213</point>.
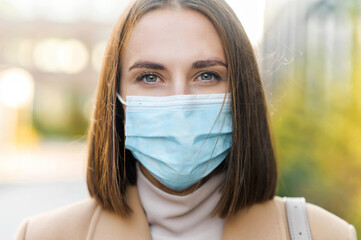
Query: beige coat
<point>87,220</point>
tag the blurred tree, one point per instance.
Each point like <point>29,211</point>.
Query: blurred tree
<point>316,105</point>
<point>319,151</point>
<point>67,122</point>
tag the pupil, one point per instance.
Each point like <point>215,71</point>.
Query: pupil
<point>151,78</point>
<point>206,76</point>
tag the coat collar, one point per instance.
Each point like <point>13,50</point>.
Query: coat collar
<point>108,225</point>
<point>260,221</point>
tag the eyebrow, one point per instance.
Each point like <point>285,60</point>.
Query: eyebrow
<point>150,65</point>
<point>197,64</point>
<point>208,63</point>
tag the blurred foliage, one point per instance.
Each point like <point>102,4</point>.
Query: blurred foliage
<point>318,142</point>
<point>317,128</point>
<point>67,122</point>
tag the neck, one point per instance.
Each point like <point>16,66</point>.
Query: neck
<point>175,216</point>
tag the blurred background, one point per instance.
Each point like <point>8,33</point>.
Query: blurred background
<point>309,53</point>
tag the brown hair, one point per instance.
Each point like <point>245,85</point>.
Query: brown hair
<point>251,170</point>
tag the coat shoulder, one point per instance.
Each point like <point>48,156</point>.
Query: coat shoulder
<point>268,220</point>
<point>264,220</point>
<point>69,222</point>
<point>326,225</point>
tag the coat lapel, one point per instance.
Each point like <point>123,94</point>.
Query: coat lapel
<point>108,225</point>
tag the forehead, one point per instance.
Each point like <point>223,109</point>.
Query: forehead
<point>163,34</point>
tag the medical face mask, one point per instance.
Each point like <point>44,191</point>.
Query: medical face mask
<point>179,139</point>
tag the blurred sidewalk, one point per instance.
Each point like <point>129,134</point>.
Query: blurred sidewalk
<point>38,179</point>
<point>49,160</point>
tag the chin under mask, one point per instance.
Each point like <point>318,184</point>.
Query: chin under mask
<point>179,139</point>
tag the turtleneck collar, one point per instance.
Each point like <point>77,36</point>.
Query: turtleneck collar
<point>182,217</point>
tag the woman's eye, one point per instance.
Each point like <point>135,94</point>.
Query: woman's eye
<point>209,76</point>
<point>206,76</point>
<point>148,78</point>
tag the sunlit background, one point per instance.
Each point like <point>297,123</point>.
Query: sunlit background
<point>309,53</point>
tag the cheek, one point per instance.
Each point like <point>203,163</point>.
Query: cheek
<point>221,87</point>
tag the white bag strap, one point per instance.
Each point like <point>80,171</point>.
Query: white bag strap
<point>297,219</point>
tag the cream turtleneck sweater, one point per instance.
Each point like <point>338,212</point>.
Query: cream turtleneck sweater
<point>182,217</point>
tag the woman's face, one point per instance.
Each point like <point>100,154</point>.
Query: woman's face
<point>173,52</point>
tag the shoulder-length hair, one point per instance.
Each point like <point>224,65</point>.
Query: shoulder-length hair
<point>251,170</point>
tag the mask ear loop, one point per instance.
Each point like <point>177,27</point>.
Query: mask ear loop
<point>121,99</point>
<point>124,150</point>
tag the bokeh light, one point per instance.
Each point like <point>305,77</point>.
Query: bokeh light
<point>16,87</point>
<point>25,52</point>
<point>55,55</point>
<point>98,54</point>
<point>72,56</point>
<point>45,55</point>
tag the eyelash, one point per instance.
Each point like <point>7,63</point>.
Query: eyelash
<point>145,74</point>
<point>215,75</point>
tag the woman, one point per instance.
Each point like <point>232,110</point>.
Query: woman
<point>180,146</point>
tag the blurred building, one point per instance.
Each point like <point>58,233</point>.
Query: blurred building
<point>314,42</point>
<point>59,46</point>
<point>311,64</point>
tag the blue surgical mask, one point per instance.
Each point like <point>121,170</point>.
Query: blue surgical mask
<point>179,139</point>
